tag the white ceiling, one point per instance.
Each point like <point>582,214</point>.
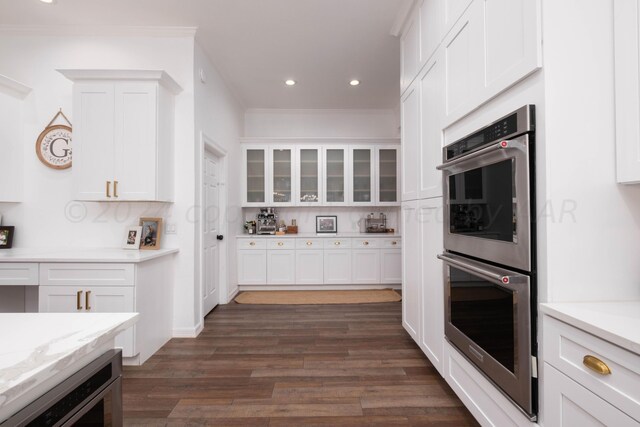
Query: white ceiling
<point>257,44</point>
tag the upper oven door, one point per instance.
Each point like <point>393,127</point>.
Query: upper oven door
<point>487,209</point>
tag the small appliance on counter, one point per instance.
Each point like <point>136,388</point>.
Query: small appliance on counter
<point>376,225</point>
<point>267,221</point>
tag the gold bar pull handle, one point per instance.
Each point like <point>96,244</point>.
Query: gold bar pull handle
<point>79,300</point>
<point>86,300</point>
<point>108,188</point>
<point>115,188</point>
<point>596,365</point>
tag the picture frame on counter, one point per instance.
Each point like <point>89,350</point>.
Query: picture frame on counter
<point>132,237</point>
<point>326,224</point>
<point>6,236</point>
<point>151,233</point>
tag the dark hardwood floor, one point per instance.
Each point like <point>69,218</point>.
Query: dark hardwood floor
<point>321,365</point>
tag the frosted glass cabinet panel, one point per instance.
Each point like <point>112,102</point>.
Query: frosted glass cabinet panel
<point>256,175</point>
<point>282,175</point>
<point>335,175</point>
<point>309,179</point>
<point>388,161</point>
<point>362,175</point>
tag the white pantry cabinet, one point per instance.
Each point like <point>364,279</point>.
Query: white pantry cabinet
<point>310,177</point>
<point>365,259</point>
<point>410,52</point>
<point>391,266</point>
<point>252,262</point>
<point>362,175</point>
<point>255,188</point>
<point>627,81</point>
<point>411,270</point>
<point>388,176</point>
<point>123,135</point>
<point>283,175</point>
<point>281,267</point>
<point>309,266</point>
<point>410,130</point>
<point>336,181</point>
<point>12,95</point>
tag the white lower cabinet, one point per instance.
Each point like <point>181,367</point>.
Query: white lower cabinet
<point>411,270</point>
<point>281,267</point>
<point>309,267</point>
<point>365,264</point>
<point>252,267</point>
<point>390,266</point>
<point>337,267</point>
<point>568,404</point>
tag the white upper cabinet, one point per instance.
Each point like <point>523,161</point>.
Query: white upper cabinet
<point>453,9</point>
<point>410,130</point>
<point>433,23</point>
<point>309,171</point>
<point>432,104</point>
<point>362,175</point>
<point>123,135</point>
<point>388,182</point>
<point>282,175</point>
<point>336,161</point>
<point>255,176</point>
<point>12,96</point>
<point>410,52</point>
<point>627,81</point>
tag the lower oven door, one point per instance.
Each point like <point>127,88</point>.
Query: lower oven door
<point>488,318</point>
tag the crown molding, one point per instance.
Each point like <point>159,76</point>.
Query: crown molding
<point>97,30</point>
<point>160,76</point>
<point>13,88</point>
<point>401,17</point>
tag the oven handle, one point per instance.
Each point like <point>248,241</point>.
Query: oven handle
<point>499,279</point>
<point>502,145</point>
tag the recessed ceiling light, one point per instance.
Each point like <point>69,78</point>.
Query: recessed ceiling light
<point>48,1</point>
<point>290,82</point>
<point>354,82</point>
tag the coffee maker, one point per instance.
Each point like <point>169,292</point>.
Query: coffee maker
<point>267,221</point>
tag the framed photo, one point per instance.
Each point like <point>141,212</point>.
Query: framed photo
<point>327,224</point>
<point>6,237</point>
<point>132,238</point>
<point>151,233</point>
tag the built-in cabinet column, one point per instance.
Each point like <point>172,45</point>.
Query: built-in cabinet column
<point>411,270</point>
<point>410,142</point>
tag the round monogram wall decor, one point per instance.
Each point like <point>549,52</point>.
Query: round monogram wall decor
<point>53,146</point>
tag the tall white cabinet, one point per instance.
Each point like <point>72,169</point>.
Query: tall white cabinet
<point>123,135</point>
<point>12,95</point>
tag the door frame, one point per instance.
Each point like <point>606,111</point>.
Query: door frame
<point>208,144</point>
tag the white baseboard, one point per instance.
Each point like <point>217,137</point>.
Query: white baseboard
<point>188,332</point>
<point>233,294</point>
<point>314,287</point>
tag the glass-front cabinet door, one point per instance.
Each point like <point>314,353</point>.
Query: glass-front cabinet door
<point>362,166</point>
<point>335,175</point>
<point>255,162</point>
<point>282,160</point>
<point>388,173</point>
<point>309,171</point>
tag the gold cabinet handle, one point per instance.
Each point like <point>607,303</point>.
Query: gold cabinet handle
<point>365,243</point>
<point>280,243</point>
<point>309,243</point>
<point>596,365</point>
<point>394,243</point>
<point>337,243</point>
<point>115,188</point>
<point>79,300</point>
<point>108,188</point>
<point>252,244</point>
<point>86,300</point>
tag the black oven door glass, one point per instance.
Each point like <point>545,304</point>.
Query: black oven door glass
<point>482,202</point>
<point>485,313</point>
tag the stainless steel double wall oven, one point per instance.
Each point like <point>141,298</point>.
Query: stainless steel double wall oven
<point>489,241</point>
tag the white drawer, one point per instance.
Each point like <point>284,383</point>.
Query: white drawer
<point>82,274</point>
<point>565,347</point>
<point>18,274</point>
<point>366,243</point>
<point>309,243</point>
<point>252,243</point>
<point>279,244</point>
<point>335,243</point>
<point>391,243</point>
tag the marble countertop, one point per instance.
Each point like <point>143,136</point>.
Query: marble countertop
<point>615,321</point>
<point>322,236</point>
<point>81,255</point>
<point>39,350</point>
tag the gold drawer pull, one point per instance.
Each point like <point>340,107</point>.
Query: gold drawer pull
<point>252,244</point>
<point>394,243</point>
<point>365,243</point>
<point>115,188</point>
<point>86,300</point>
<point>280,243</point>
<point>309,243</point>
<point>336,243</point>
<point>596,365</point>
<point>79,300</point>
<point>108,190</point>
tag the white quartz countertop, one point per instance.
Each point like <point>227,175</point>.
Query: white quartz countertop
<point>316,235</point>
<point>39,350</point>
<point>81,255</point>
<point>615,321</point>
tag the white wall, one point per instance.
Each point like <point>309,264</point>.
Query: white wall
<point>322,123</point>
<point>592,252</point>
<point>49,217</point>
<point>219,115</point>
